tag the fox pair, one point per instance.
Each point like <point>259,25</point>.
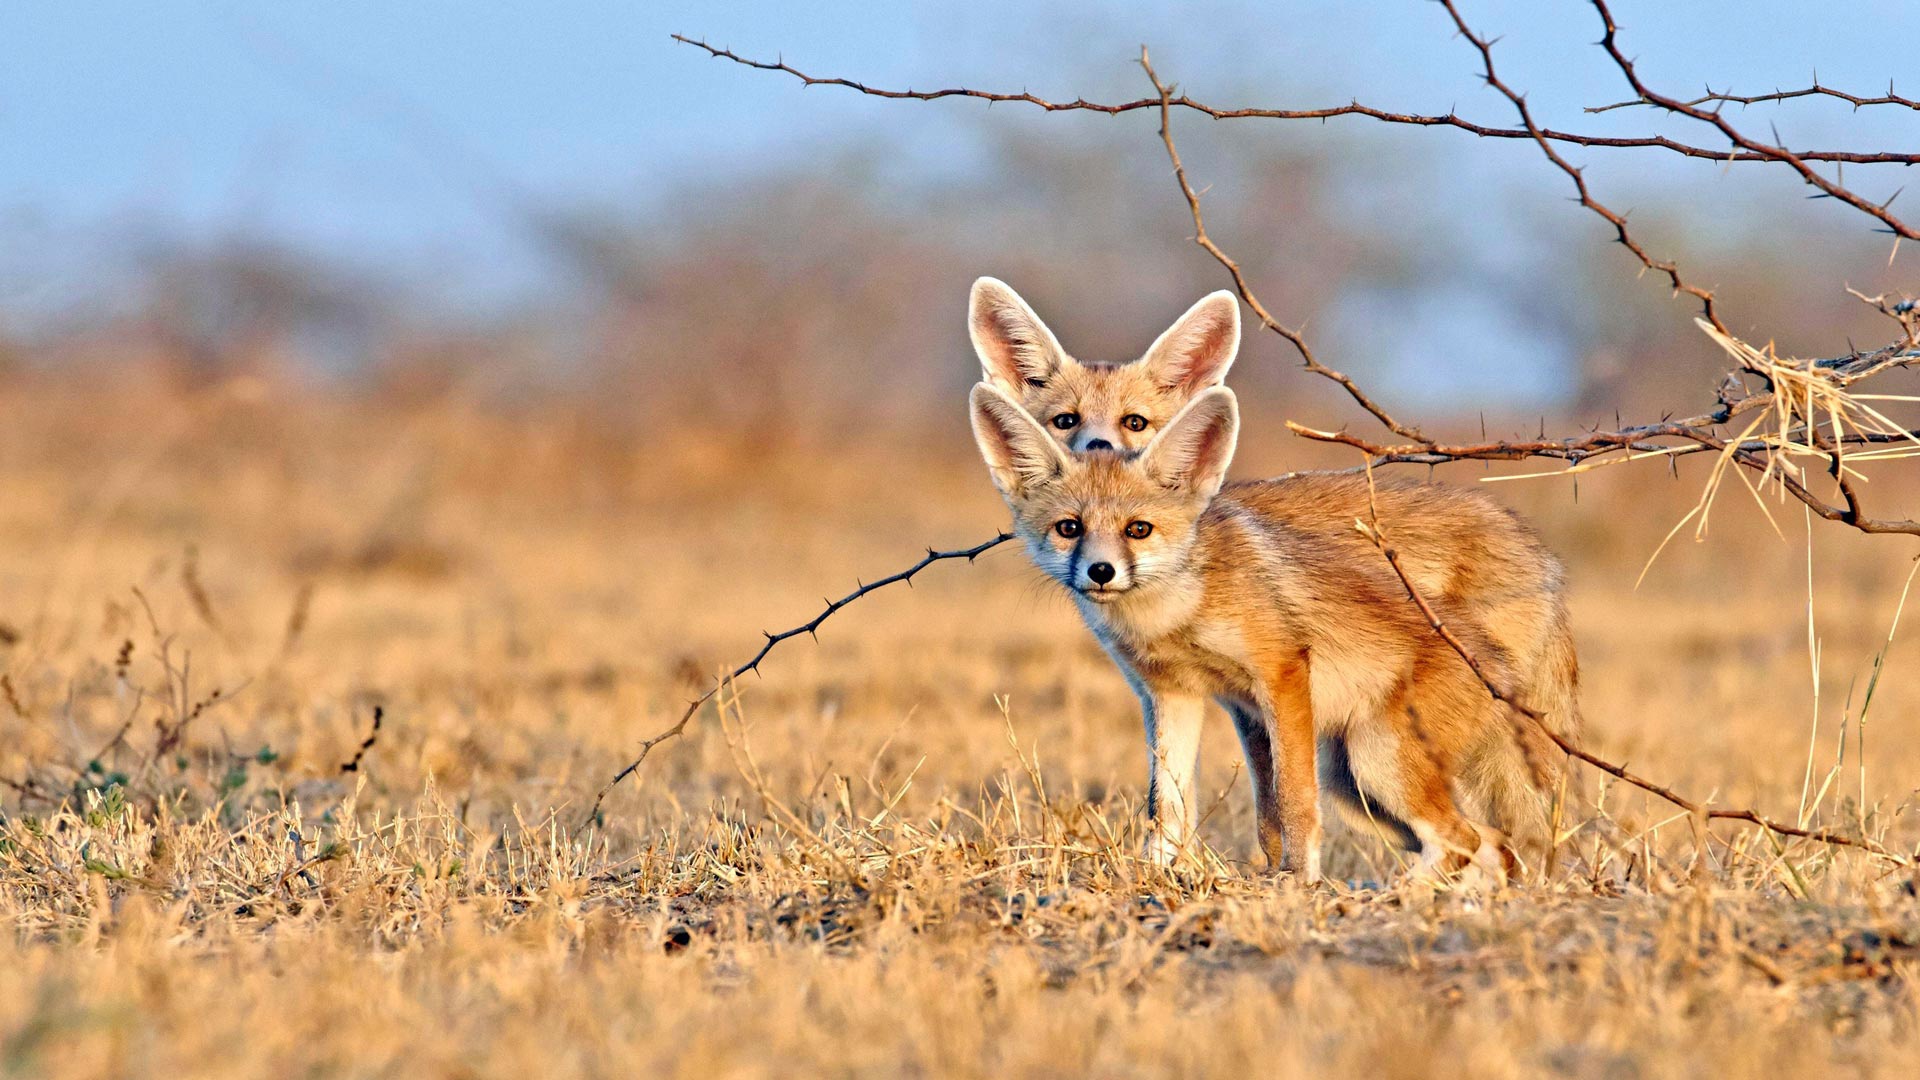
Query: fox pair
<point>1265,597</point>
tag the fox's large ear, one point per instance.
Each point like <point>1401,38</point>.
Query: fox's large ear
<point>1018,450</point>
<point>1016,349</point>
<point>1195,448</point>
<point>1199,347</point>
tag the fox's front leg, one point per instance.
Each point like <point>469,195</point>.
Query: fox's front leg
<point>1286,697</point>
<point>1173,749</point>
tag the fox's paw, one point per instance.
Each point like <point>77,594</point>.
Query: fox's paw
<point>1486,870</point>
<point>1161,850</point>
<point>1304,871</point>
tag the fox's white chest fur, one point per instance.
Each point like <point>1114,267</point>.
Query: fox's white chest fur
<point>1165,629</point>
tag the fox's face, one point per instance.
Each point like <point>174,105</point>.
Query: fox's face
<point>1106,524</point>
<point>1087,407</point>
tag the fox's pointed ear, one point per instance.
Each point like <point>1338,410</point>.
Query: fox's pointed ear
<point>1195,448</point>
<point>1018,450</point>
<point>1199,347</point>
<point>1016,349</point>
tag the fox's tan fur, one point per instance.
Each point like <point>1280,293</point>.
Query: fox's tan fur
<point>1266,598</point>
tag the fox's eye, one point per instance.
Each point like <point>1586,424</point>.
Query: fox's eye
<point>1067,421</point>
<point>1139,530</point>
<point>1134,422</point>
<point>1068,528</point>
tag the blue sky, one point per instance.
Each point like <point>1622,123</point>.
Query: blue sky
<point>383,133</point>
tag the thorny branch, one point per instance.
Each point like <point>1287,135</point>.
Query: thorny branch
<point>810,628</point>
<point>1797,162</point>
<point>1293,337</point>
<point>1728,97</point>
<point>1694,435</point>
<point>1757,456</point>
<point>1799,433</point>
<point>1354,108</point>
<point>1578,176</point>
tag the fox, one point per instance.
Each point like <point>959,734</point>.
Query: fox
<point>1462,550</point>
<point>1199,589</point>
<point>1098,406</point>
<point>1459,548</point>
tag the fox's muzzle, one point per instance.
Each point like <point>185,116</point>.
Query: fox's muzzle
<point>1097,571</point>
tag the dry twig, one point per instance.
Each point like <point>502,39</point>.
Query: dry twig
<point>373,735</point>
<point>810,628</point>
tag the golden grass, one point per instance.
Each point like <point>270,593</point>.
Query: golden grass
<point>906,850</point>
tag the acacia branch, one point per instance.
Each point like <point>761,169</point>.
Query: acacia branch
<point>1292,336</point>
<point>1641,438</point>
<point>1694,435</point>
<point>1712,97</point>
<point>1352,108</point>
<point>810,628</point>
<point>1577,175</point>
<point>1609,41</point>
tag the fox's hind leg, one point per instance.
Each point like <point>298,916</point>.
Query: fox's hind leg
<point>1361,812</point>
<point>1408,777</point>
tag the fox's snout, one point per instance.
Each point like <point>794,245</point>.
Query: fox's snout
<point>1100,565</point>
<point>1098,576</point>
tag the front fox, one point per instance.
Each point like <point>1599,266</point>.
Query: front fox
<point>1200,590</point>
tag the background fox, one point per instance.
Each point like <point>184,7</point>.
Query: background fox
<point>1495,582</point>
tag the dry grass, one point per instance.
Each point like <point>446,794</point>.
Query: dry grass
<point>906,850</point>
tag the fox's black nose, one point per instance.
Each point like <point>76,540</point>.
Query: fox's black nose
<point>1099,444</point>
<point>1100,572</point>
